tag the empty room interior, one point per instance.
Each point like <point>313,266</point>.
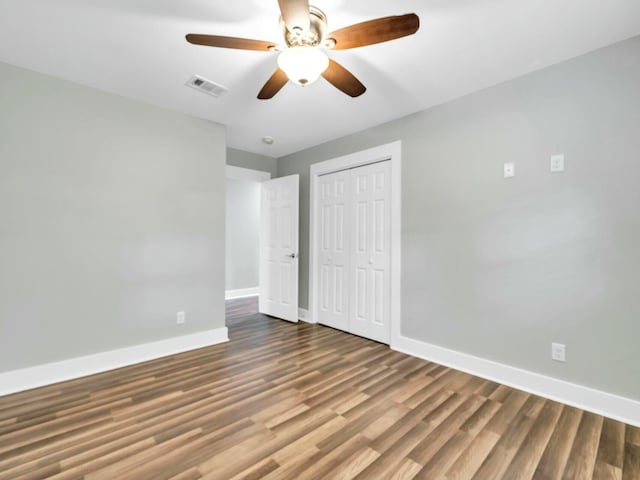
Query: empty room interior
<point>340,240</point>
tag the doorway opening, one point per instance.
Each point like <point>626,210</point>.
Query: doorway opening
<point>261,254</point>
<point>242,231</point>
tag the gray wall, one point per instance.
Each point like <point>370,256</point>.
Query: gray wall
<point>254,161</point>
<point>242,232</point>
<point>500,268</point>
<point>111,221</point>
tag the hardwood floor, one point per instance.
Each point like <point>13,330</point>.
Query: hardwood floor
<point>286,401</point>
<point>242,309</point>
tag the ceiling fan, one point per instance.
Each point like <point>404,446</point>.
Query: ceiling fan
<point>302,59</point>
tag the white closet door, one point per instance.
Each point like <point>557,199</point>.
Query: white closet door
<point>333,242</point>
<point>370,251</point>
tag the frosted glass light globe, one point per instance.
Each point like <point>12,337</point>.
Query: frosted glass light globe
<point>303,65</point>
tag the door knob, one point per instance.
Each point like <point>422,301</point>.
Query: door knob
<point>292,255</point>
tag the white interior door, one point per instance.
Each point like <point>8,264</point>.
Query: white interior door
<point>279,248</point>
<point>333,254</point>
<point>370,276</point>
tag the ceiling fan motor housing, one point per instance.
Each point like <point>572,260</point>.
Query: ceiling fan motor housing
<point>311,38</point>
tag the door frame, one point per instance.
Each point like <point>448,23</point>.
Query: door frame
<point>392,152</point>
<point>240,173</point>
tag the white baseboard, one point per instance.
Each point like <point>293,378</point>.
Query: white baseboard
<point>241,293</point>
<point>304,316</point>
<point>602,403</point>
<point>40,375</point>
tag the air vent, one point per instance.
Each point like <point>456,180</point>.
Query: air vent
<point>206,86</point>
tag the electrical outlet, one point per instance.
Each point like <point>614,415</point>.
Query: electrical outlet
<point>558,352</point>
<point>509,170</point>
<point>181,317</point>
<point>556,163</point>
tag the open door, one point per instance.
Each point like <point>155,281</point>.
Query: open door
<point>279,248</point>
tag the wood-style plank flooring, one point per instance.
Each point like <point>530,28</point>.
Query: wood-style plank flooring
<point>241,310</point>
<point>285,401</point>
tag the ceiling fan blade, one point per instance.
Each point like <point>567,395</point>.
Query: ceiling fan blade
<point>278,80</point>
<point>295,14</point>
<point>375,31</point>
<point>343,79</point>
<point>229,42</point>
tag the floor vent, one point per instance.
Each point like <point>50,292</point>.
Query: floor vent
<point>206,86</point>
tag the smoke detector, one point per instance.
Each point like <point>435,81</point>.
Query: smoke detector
<point>206,86</point>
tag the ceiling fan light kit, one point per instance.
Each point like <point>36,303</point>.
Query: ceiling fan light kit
<point>303,60</point>
<point>303,65</point>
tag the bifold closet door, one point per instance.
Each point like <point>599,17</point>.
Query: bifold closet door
<point>354,259</point>
<point>370,257</point>
<point>334,249</point>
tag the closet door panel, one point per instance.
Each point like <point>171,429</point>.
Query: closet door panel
<point>371,255</point>
<point>334,250</point>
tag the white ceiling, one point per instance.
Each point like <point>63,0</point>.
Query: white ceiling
<point>136,48</point>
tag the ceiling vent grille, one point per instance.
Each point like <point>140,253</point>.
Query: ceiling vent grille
<point>206,86</point>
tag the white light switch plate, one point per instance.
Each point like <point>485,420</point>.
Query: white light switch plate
<point>557,163</point>
<point>509,170</point>
<point>181,317</point>
<point>558,352</point>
